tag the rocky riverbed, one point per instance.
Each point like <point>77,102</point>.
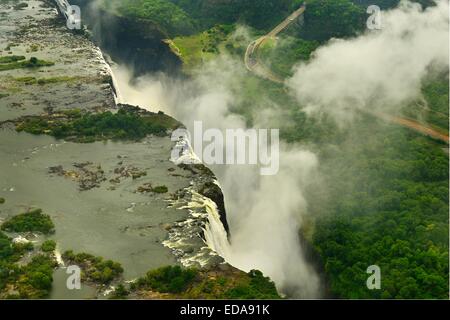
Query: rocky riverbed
<point>102,196</point>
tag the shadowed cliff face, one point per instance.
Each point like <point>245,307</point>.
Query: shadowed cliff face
<point>132,42</point>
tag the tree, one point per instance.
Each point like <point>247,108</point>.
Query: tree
<point>325,19</point>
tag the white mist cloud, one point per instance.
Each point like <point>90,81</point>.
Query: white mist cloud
<point>264,212</point>
<point>380,69</point>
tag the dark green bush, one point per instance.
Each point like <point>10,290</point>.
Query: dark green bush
<point>173,279</point>
<point>95,268</point>
<point>48,246</point>
<point>160,189</point>
<point>30,221</point>
<point>89,127</point>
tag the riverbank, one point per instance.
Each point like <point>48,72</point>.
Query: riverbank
<point>96,190</point>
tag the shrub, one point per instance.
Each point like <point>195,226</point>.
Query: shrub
<point>95,268</point>
<point>120,293</point>
<point>48,246</point>
<point>172,279</point>
<point>259,287</point>
<point>160,189</point>
<point>30,221</point>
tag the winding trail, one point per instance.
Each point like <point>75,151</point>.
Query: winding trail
<point>255,65</point>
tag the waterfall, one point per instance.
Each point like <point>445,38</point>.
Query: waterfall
<point>200,207</point>
<point>216,236</point>
<point>117,95</point>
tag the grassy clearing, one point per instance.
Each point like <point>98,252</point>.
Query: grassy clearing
<point>202,47</point>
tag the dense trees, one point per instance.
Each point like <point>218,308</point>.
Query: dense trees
<point>259,287</point>
<point>287,52</point>
<point>260,14</point>
<point>181,17</point>
<point>171,18</point>
<point>29,281</point>
<point>48,246</point>
<point>325,19</point>
<point>95,269</point>
<point>88,127</point>
<point>436,93</point>
<point>30,221</point>
<point>199,284</point>
<point>388,206</point>
<point>173,279</point>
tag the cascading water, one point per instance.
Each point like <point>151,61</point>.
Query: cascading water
<point>215,234</point>
<point>200,207</point>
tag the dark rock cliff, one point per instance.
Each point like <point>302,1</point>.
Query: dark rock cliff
<point>134,42</point>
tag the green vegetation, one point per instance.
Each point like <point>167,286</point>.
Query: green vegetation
<point>34,48</point>
<point>436,94</point>
<point>259,287</point>
<point>42,81</point>
<point>387,205</point>
<point>30,281</point>
<point>9,59</point>
<point>26,80</point>
<point>95,269</point>
<point>160,189</point>
<point>17,64</point>
<point>187,17</point>
<point>2,200</point>
<point>202,47</point>
<point>12,251</point>
<point>20,6</point>
<point>33,221</point>
<point>81,126</point>
<point>282,55</point>
<point>3,95</point>
<point>172,19</point>
<point>260,14</point>
<point>325,19</point>
<point>388,4</point>
<point>120,293</point>
<point>191,283</point>
<point>171,279</point>
<point>48,246</point>
<point>432,110</point>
